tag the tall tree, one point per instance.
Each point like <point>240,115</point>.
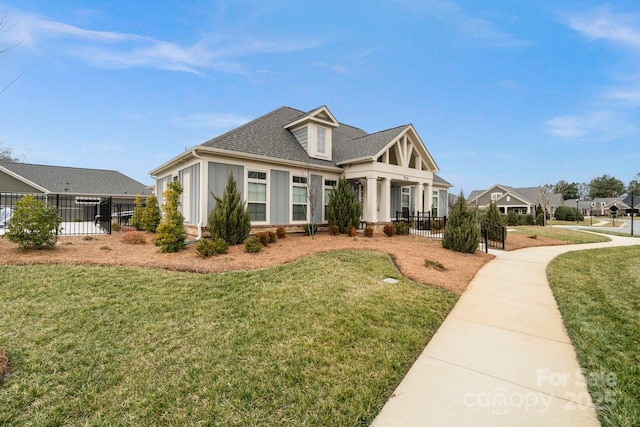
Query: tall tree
<point>343,209</point>
<point>461,233</point>
<point>230,219</point>
<point>634,185</point>
<point>605,186</point>
<point>6,154</point>
<point>568,191</point>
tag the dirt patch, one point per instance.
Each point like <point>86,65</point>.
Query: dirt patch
<point>407,252</point>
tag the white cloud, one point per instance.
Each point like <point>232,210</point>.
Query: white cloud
<point>472,30</point>
<point>603,24</point>
<point>599,126</point>
<point>107,49</point>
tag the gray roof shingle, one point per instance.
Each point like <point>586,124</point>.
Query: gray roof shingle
<point>69,180</point>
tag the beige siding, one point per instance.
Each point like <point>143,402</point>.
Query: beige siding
<point>9,184</point>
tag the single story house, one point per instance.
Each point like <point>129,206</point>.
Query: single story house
<point>76,192</point>
<point>510,199</point>
<point>288,158</point>
<point>599,206</point>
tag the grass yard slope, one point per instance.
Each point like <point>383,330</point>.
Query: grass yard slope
<point>321,341</point>
<point>598,293</point>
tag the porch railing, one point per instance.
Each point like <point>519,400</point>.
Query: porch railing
<point>423,224</point>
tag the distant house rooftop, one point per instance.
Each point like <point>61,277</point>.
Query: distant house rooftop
<point>68,180</point>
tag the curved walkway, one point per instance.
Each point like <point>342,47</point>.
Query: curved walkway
<point>502,357</point>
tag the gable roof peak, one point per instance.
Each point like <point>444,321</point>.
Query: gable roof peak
<point>321,115</point>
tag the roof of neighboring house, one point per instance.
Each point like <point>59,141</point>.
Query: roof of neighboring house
<point>636,201</point>
<point>526,194</point>
<point>80,181</point>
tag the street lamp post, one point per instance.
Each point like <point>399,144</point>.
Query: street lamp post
<point>632,210</point>
<point>577,210</point>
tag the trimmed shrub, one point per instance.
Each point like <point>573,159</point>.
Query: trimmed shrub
<point>333,230</point>
<point>136,218</point>
<point>368,231</point>
<point>540,219</point>
<point>529,219</point>
<point>204,248</point>
<point>150,215</point>
<point>273,237</point>
<point>115,226</point>
<point>253,245</point>
<point>33,224</point>
<point>264,237</point>
<point>401,228</point>
<point>461,233</point>
<point>389,229</point>
<point>512,218</point>
<point>207,247</point>
<point>170,235</point>
<point>310,229</point>
<point>281,232</point>
<point>343,209</point>
<point>351,231</point>
<point>134,238</point>
<point>230,219</point>
<point>567,213</point>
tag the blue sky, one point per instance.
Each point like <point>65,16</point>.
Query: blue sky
<point>522,93</point>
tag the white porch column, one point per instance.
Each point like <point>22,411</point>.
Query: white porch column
<point>419,190</point>
<point>384,200</point>
<point>371,200</point>
<point>428,198</point>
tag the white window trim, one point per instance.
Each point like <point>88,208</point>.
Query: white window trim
<point>267,192</point>
<point>495,196</point>
<point>325,200</point>
<point>306,204</point>
<point>313,141</point>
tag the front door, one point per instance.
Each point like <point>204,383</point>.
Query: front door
<point>405,201</point>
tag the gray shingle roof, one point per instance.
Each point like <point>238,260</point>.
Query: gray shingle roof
<point>267,136</point>
<point>526,194</point>
<point>61,180</point>
<point>366,145</point>
<point>439,180</point>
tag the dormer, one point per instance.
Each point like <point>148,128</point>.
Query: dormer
<point>314,131</point>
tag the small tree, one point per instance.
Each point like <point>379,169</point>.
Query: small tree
<point>34,225</point>
<point>136,218</point>
<point>150,215</point>
<point>230,219</point>
<point>461,233</point>
<point>493,217</point>
<point>314,199</point>
<point>170,235</point>
<point>343,209</point>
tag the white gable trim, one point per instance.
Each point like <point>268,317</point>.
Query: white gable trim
<point>313,116</point>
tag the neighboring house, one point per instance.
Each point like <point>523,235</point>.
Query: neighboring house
<point>287,158</point>
<point>510,199</point>
<point>77,192</point>
<point>636,204</point>
<point>600,206</point>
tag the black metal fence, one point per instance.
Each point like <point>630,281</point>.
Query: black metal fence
<point>80,215</point>
<point>423,224</point>
<point>492,236</point>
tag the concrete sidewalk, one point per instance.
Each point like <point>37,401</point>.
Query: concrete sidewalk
<point>502,357</point>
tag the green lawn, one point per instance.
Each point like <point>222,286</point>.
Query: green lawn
<point>598,292</point>
<point>321,341</point>
<point>565,235</point>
